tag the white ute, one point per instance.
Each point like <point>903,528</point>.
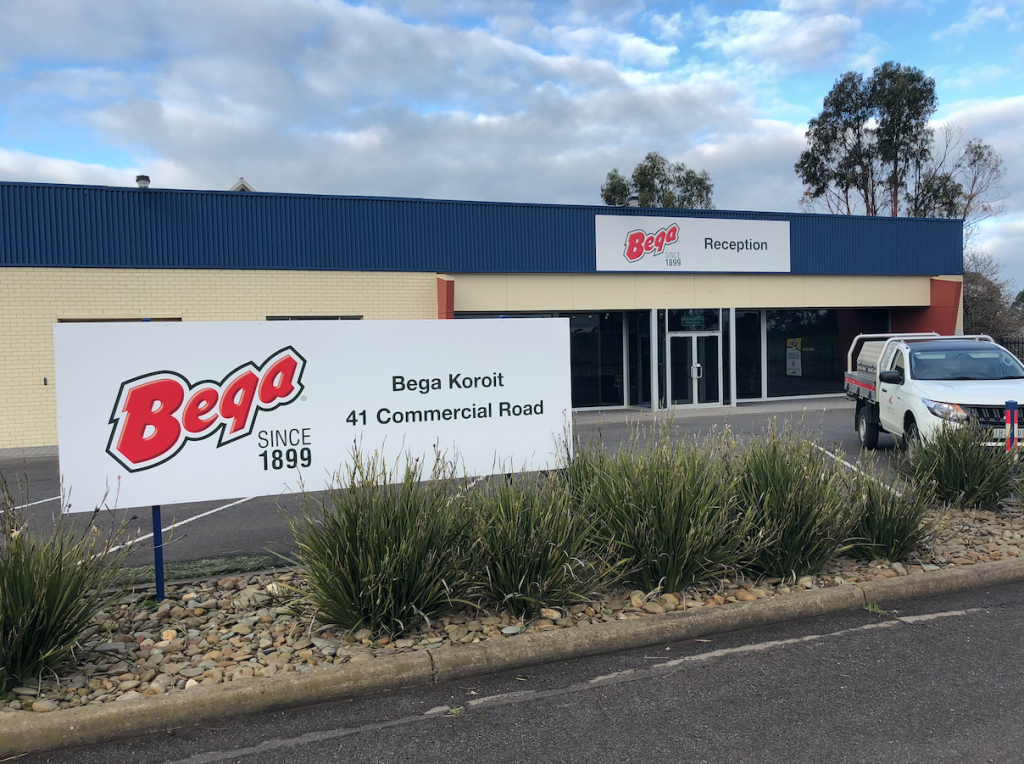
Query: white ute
<point>909,385</point>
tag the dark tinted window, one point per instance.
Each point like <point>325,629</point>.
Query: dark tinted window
<point>805,356</point>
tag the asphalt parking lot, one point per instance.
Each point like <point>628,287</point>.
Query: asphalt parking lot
<point>256,526</point>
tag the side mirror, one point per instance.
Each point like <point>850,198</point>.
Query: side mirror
<point>891,377</point>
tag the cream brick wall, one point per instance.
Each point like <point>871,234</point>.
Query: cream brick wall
<point>33,299</point>
<point>486,292</point>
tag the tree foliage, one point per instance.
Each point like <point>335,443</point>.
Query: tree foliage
<point>989,305</point>
<point>872,151</point>
<point>660,183</point>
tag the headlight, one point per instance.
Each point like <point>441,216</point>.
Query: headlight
<point>946,410</point>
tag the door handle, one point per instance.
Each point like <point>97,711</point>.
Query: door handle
<point>700,371</point>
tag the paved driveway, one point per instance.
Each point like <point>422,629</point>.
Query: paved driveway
<point>940,686</point>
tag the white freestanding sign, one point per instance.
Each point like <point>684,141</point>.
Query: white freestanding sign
<point>165,413</point>
<point>644,244</point>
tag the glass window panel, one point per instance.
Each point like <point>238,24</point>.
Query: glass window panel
<point>682,363</point>
<point>662,388</point>
<point>595,350</point>
<point>805,356</point>
<point>707,358</point>
<point>727,332</point>
<point>639,349</point>
<point>748,354</point>
<point>694,320</point>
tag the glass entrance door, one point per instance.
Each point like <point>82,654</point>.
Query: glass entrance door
<point>695,363</point>
<point>681,370</point>
<point>709,364</point>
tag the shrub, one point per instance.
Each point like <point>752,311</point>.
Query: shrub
<point>798,498</point>
<point>535,547</point>
<point>670,511</point>
<point>892,521</point>
<point>52,586</point>
<point>965,472</point>
<point>381,556</point>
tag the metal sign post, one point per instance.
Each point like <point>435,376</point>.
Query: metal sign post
<point>158,545</point>
<point>158,553</point>
<point>1011,425</point>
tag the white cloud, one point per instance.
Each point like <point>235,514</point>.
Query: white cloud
<point>1004,239</point>
<point>669,27</point>
<point>977,75</point>
<point>782,40</point>
<point>979,15</point>
<point>752,168</point>
<point>637,50</point>
<point>998,122</point>
<point>23,166</point>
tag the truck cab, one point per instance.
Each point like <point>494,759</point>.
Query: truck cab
<point>912,385</point>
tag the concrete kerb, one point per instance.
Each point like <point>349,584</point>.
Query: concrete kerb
<point>25,733</point>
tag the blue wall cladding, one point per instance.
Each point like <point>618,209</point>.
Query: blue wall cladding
<point>91,226</point>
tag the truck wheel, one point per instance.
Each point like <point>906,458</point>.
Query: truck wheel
<point>909,434</point>
<point>867,430</point>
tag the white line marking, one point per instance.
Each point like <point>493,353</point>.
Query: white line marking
<point>504,697</point>
<point>172,526</point>
<point>762,646</point>
<point>606,677</point>
<point>933,616</point>
<point>512,698</point>
<point>845,463</point>
<point>41,501</point>
<point>841,461</point>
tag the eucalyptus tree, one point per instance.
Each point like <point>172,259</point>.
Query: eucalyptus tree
<point>657,182</point>
<point>873,151</point>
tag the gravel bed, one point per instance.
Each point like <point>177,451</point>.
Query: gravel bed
<point>245,628</point>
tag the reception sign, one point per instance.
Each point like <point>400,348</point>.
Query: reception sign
<point>165,413</point>
<point>641,244</point>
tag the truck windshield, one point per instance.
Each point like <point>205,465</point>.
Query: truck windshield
<point>981,363</point>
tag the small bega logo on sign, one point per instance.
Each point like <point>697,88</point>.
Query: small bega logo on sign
<point>639,243</point>
<point>155,414</point>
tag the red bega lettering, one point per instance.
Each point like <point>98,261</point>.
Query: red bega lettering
<point>156,413</point>
<point>639,243</point>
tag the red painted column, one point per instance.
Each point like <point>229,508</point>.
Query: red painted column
<point>445,297</point>
<point>940,316</point>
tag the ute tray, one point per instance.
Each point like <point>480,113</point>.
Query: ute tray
<point>860,384</point>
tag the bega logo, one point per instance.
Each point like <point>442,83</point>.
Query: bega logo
<point>639,243</point>
<point>156,414</point>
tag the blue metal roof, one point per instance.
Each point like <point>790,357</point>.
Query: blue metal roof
<point>99,226</point>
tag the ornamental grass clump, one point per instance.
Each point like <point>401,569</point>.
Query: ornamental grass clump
<point>580,476</point>
<point>535,548</point>
<point>893,520</point>
<point>799,500</point>
<point>384,550</point>
<point>670,511</point>
<point>52,587</point>
<point>964,471</point>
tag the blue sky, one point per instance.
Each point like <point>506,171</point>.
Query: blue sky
<point>481,99</point>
